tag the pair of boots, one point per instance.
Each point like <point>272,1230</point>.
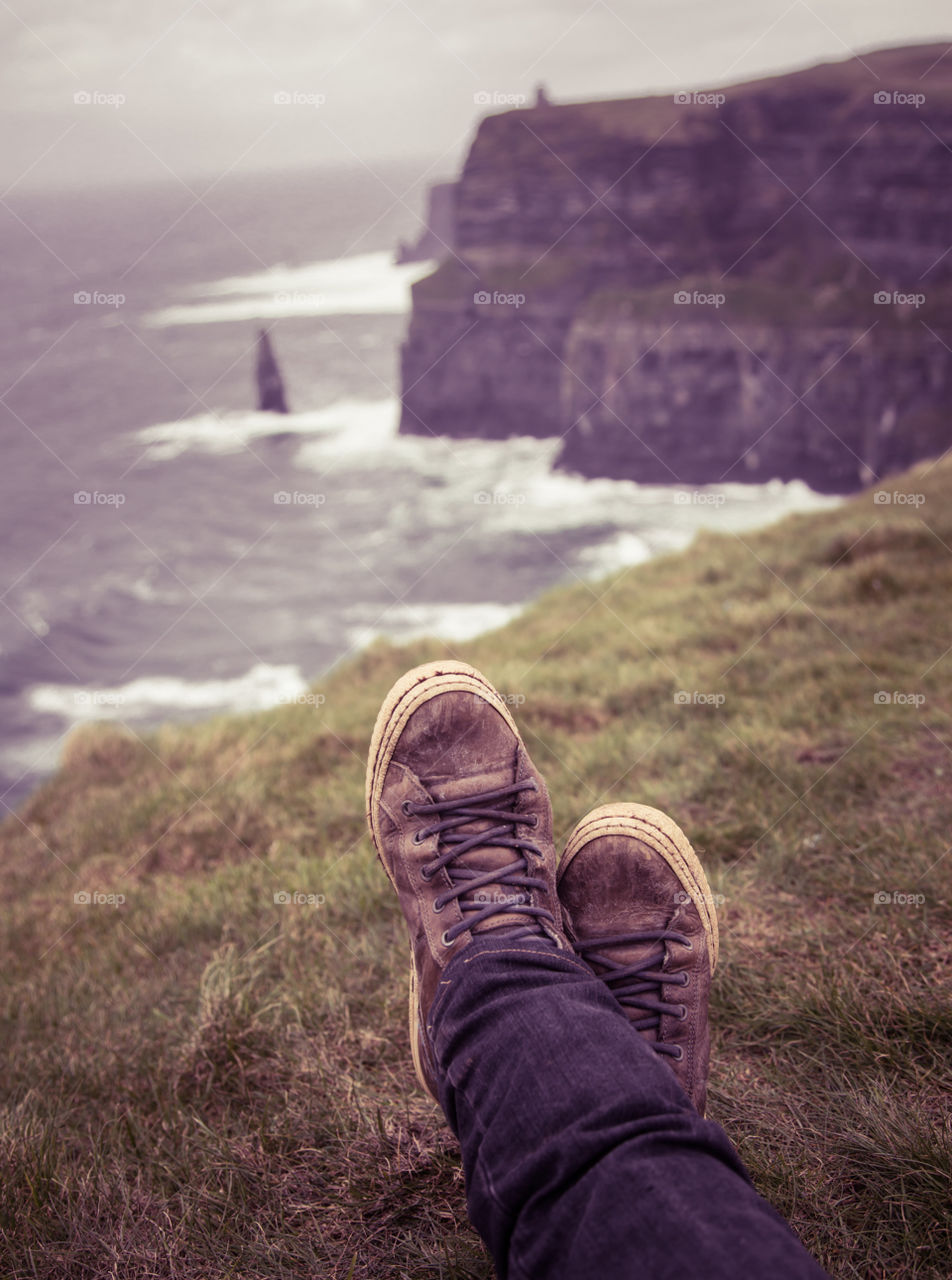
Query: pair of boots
<point>462,822</point>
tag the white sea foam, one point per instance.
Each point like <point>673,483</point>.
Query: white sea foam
<point>364,284</point>
<point>490,487</point>
<point>510,486</point>
<point>39,754</point>
<point>456,622</point>
<point>261,687</point>
<point>367,422</point>
<point>498,484</point>
<point>618,552</point>
<point>413,488</point>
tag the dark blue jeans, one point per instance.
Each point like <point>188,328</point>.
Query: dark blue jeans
<point>583,1155</point>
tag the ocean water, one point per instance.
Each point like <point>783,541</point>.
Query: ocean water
<point>168,552</point>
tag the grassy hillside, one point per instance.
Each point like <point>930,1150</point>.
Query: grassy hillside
<point>199,1081</point>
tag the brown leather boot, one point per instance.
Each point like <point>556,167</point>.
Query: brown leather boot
<point>639,911</point>
<point>461,820</point>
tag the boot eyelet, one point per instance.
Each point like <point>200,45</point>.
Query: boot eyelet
<point>417,837</point>
<point>446,940</point>
<point>679,1055</point>
<point>532,820</point>
<point>683,1014</point>
<point>689,945</point>
<point>438,905</point>
<point>406,807</point>
<point>427,875</point>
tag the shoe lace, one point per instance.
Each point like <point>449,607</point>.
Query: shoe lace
<point>640,986</point>
<point>496,806</point>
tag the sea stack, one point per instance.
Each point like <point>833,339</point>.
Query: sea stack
<point>270,386</point>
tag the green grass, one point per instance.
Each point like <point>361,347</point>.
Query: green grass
<point>778,304</point>
<point>561,280</point>
<point>199,1082</point>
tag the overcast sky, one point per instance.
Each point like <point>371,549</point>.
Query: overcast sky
<point>190,86</point>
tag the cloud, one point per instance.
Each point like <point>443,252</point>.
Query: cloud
<point>199,77</point>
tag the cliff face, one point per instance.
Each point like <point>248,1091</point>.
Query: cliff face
<point>437,233</point>
<point>835,389</point>
<point>686,291</point>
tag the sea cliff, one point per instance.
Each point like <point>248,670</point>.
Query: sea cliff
<point>744,283</point>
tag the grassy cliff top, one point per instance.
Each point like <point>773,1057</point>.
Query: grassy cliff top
<point>561,281</point>
<point>829,304</point>
<point>838,89</point>
<point>201,1080</point>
